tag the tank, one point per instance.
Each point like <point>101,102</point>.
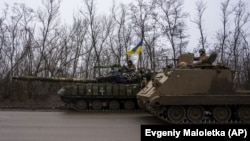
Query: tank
<point>195,94</point>
<point>114,91</point>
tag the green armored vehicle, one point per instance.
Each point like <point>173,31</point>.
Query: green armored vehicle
<point>195,94</point>
<point>99,96</point>
<point>115,91</point>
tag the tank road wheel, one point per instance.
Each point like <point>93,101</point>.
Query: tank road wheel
<point>81,105</point>
<point>97,105</point>
<point>176,114</point>
<point>129,105</point>
<point>114,105</point>
<point>222,113</point>
<point>195,113</point>
<point>244,113</point>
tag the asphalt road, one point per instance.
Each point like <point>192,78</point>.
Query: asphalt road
<point>72,126</point>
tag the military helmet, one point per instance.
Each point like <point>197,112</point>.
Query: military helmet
<point>129,61</point>
<point>202,50</point>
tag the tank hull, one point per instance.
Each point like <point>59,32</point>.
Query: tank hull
<point>195,95</point>
<point>100,96</point>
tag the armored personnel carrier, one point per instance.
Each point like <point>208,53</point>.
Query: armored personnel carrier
<point>114,91</point>
<point>195,94</point>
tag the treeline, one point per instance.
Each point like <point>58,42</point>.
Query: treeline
<point>35,42</point>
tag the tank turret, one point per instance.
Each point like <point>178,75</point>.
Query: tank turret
<point>122,75</point>
<point>195,94</point>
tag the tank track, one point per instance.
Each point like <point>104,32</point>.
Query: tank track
<point>206,114</point>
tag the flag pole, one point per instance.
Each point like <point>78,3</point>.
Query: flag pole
<point>140,57</point>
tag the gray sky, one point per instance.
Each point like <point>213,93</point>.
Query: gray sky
<point>212,15</point>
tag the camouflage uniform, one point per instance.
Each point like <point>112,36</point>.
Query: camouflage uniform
<point>131,66</point>
<point>202,59</point>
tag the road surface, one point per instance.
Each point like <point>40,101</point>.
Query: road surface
<point>72,126</point>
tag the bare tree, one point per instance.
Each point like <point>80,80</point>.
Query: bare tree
<point>15,48</point>
<point>48,17</point>
<point>199,21</point>
<point>3,36</point>
<point>121,38</point>
<point>240,23</point>
<point>222,35</point>
<point>151,37</point>
<point>93,31</point>
<point>76,43</point>
<point>172,22</point>
<point>140,15</point>
<point>15,45</point>
<point>182,36</point>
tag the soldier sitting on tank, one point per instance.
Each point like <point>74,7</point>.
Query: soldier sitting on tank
<point>126,74</point>
<point>202,59</point>
<point>131,66</point>
<point>144,76</point>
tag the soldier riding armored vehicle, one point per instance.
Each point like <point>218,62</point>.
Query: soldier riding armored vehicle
<point>195,93</point>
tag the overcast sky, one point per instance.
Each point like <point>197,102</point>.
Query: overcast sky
<point>212,15</point>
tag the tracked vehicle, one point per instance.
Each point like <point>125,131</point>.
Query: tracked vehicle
<point>115,91</point>
<point>195,94</point>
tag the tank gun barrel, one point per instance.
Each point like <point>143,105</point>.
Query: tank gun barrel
<point>109,66</point>
<point>53,79</point>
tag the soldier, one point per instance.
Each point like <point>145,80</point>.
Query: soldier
<point>202,59</point>
<point>131,66</point>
